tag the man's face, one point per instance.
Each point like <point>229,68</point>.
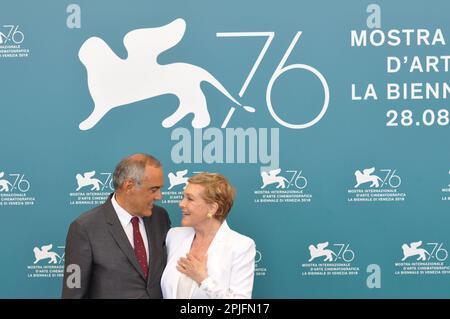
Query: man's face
<point>140,197</point>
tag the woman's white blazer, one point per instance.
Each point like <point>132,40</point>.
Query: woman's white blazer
<point>231,264</point>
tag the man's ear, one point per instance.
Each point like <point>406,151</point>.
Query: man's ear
<point>128,185</point>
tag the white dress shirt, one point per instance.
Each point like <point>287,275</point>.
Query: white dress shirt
<point>125,221</point>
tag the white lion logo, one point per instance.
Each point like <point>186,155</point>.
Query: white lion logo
<point>86,180</point>
<point>414,250</point>
<point>177,179</point>
<point>320,251</point>
<point>271,178</point>
<point>44,253</point>
<point>365,177</point>
<point>113,81</point>
<point>4,184</point>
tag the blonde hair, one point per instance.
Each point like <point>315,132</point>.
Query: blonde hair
<point>217,190</point>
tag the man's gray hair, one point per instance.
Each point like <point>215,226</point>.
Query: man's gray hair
<point>133,167</point>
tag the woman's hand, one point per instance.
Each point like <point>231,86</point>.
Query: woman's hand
<point>193,267</point>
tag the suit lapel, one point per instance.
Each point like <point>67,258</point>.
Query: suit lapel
<point>214,249</point>
<point>117,232</point>
<point>184,248</point>
<point>215,253</point>
<point>220,238</point>
<point>148,225</point>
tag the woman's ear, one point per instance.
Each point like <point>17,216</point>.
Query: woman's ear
<point>213,208</point>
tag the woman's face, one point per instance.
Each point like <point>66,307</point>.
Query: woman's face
<point>193,207</point>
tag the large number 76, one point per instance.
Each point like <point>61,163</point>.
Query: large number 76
<point>281,68</point>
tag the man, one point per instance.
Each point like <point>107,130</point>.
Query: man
<point>117,250</point>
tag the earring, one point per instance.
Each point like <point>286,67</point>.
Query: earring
<point>210,215</point>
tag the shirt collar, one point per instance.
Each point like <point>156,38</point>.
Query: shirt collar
<point>124,216</point>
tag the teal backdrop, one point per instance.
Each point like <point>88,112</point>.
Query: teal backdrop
<point>330,118</point>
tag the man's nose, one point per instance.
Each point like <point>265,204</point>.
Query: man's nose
<point>159,195</point>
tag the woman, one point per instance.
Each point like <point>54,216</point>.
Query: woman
<point>206,259</point>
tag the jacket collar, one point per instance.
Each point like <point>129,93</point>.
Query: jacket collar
<point>220,236</point>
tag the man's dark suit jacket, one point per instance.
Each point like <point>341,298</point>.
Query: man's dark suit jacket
<point>97,243</point>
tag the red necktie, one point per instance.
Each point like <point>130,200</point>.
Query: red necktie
<point>139,248</point>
